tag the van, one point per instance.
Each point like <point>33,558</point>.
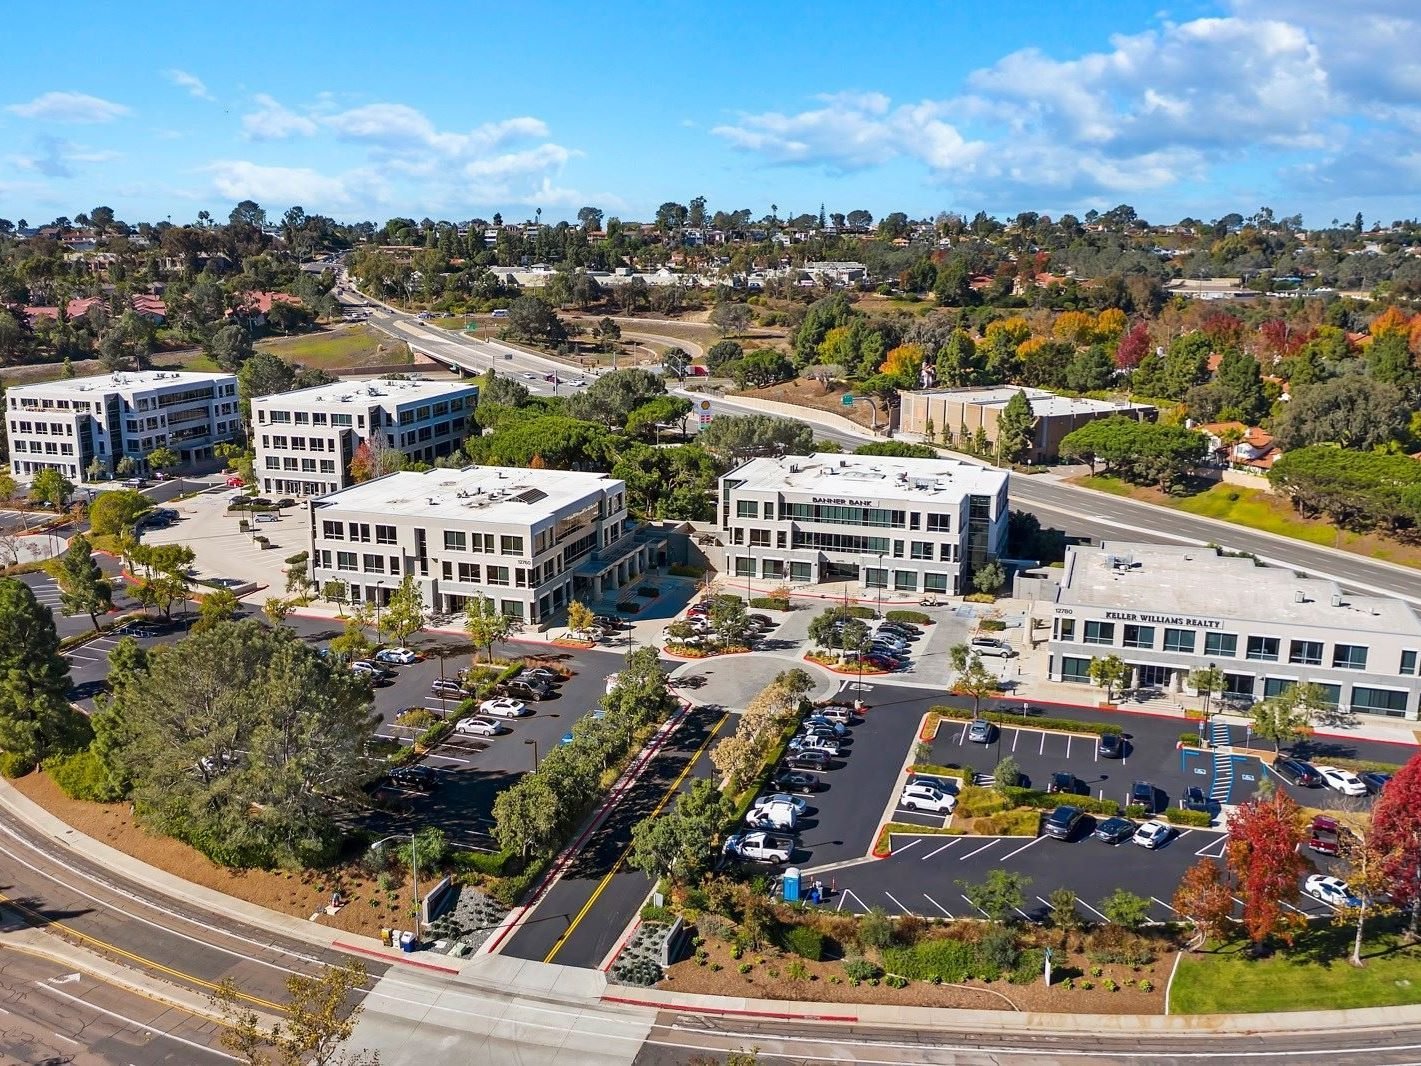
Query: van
<point>991,646</point>
<point>499,312</point>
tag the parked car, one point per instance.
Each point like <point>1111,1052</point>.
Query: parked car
<point>504,707</point>
<point>479,727</point>
<point>810,759</point>
<point>799,803</point>
<point>773,816</point>
<point>1330,890</point>
<point>398,656</point>
<point>376,673</point>
<point>1195,799</point>
<point>135,629</point>
<point>814,742</point>
<point>1343,781</point>
<point>837,728</point>
<point>447,687</point>
<point>543,675</point>
<point>414,778</point>
<point>759,846</point>
<point>796,781</point>
<point>1063,822</point>
<point>1375,781</point>
<point>918,796</point>
<point>1110,746</point>
<point>991,646</point>
<point>609,623</point>
<point>1142,793</point>
<point>980,731</point>
<point>1297,772</point>
<point>837,715</point>
<point>1153,834</point>
<point>901,629</point>
<point>1065,782</point>
<point>942,784</point>
<point>764,621</point>
<point>526,690</point>
<point>1114,830</point>
<point>1325,835</point>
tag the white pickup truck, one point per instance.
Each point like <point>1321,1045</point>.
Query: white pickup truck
<point>759,847</point>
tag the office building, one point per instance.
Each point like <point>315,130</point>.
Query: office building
<point>1168,611</point>
<point>305,440</point>
<point>911,525</point>
<point>530,540</point>
<point>68,425</point>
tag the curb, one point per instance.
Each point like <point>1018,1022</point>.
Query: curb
<point>385,956</point>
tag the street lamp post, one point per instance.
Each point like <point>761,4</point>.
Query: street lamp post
<point>414,871</point>
<point>535,753</point>
<point>379,596</point>
<point>882,580</point>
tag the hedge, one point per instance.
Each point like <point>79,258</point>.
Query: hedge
<point>83,776</point>
<point>1049,801</point>
<point>1069,725</point>
<point>1192,739</point>
<point>1182,816</point>
<point>992,625</point>
<point>918,618</point>
<point>1361,766</point>
<point>770,603</point>
<point>805,942</point>
<point>949,961</point>
<point>858,612</point>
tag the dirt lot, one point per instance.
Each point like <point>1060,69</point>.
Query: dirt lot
<point>807,393</point>
<point>300,893</point>
<point>768,979</point>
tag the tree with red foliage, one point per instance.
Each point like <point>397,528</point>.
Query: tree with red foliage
<point>1222,328</point>
<point>1205,898</point>
<point>1133,347</point>
<point>1396,831</point>
<point>1263,856</point>
<point>1281,340</point>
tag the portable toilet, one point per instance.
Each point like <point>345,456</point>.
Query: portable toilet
<point>791,885</point>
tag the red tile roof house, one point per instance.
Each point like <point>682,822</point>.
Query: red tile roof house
<point>149,307</point>
<point>256,305</point>
<point>1238,447</point>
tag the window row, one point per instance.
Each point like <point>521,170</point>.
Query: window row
<point>358,532</point>
<point>1225,645</point>
<point>458,540</point>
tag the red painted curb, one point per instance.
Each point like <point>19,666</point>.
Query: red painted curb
<point>356,949</point>
<point>781,1015</point>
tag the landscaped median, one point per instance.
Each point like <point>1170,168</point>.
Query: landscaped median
<point>1030,721</point>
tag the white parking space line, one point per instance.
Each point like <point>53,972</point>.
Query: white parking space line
<point>1237,900</point>
<point>1043,743</point>
<point>73,658</point>
<point>975,907</point>
<point>938,905</point>
<point>1022,913</point>
<point>1068,745</point>
<point>911,844</point>
<point>450,758</point>
<point>1047,902</point>
<point>896,901</point>
<point>1015,736</point>
<point>1092,910</point>
<point>1029,844</point>
<point>1220,843</point>
<point>1184,834</point>
<point>1163,904</point>
<point>983,848</point>
<point>949,844</point>
<point>845,893</point>
<point>1299,910</point>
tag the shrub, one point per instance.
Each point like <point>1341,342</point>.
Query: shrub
<point>1086,985</point>
<point>1192,739</point>
<point>1109,985</point>
<point>680,570</point>
<point>858,968</point>
<point>1030,965</point>
<point>493,864</point>
<point>917,618</point>
<point>745,967</point>
<point>1180,816</point>
<point>715,927</point>
<point>769,603</point>
<point>974,801</point>
<point>1025,797</point>
<point>416,718</point>
<point>13,764</point>
<point>991,625</point>
<point>894,981</point>
<point>1145,985</point>
<point>997,950</point>
<point>803,941</point>
<point>858,612</point>
<point>1096,971</point>
<point>299,559</point>
<point>1135,810</point>
<point>909,929</point>
<point>876,929</point>
<point>83,776</point>
<point>1019,823</point>
<point>796,971</point>
<point>1114,944</point>
<point>951,961</point>
<point>628,606</point>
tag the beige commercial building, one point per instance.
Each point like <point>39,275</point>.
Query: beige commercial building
<point>959,413</point>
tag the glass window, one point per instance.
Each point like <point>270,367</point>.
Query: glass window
<point>1099,633</point>
<point>454,540</point>
<point>1379,701</point>
<point>939,523</point>
<point>1179,640</point>
<point>1276,686</point>
<point>1066,627</point>
<point>333,530</point>
<point>800,572</point>
<point>874,578</point>
<point>744,567</point>
<point>512,608</point>
<point>1223,645</point>
<point>922,549</point>
<point>1408,662</point>
<point>469,573</point>
<point>1139,636</point>
<point>747,508</point>
<point>1075,668</point>
<point>905,580</point>
<point>1349,657</point>
<point>769,510</point>
<point>511,546</point>
<point>345,561</point>
<point>374,564</point>
<point>1262,649</point>
<point>759,538</point>
<point>772,568</point>
<point>384,534</point>
<point>934,582</point>
<point>497,575</point>
<point>1305,652</point>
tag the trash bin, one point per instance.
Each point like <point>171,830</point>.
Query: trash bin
<point>791,885</point>
<point>385,937</point>
<point>406,941</point>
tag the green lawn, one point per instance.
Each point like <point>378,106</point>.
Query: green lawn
<point>347,348</point>
<point>1314,975</point>
<point>1255,509</point>
<point>1112,485</point>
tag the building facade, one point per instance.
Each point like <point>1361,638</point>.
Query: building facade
<point>530,540</point>
<point>912,525</point>
<point>958,414</point>
<point>1167,611</point>
<point>68,425</point>
<point>305,440</point>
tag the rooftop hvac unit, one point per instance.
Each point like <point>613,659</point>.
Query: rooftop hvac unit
<point>1300,596</point>
<point>1336,600</point>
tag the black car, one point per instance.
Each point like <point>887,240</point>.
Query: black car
<point>810,760</point>
<point>1114,830</point>
<point>899,631</point>
<point>414,778</point>
<point>1297,772</point>
<point>795,781</point>
<point>1062,823</point>
<point>1374,781</point>
<point>942,784</point>
<point>1142,794</point>
<point>1065,782</point>
<point>1111,746</point>
<point>1195,800</point>
<point>526,690</point>
<point>542,675</point>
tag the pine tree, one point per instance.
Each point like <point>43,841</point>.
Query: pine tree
<point>82,587</point>
<point>36,719</point>
<point>1015,428</point>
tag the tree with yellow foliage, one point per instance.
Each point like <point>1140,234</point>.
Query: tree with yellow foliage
<point>1075,327</point>
<point>1110,325</point>
<point>903,362</point>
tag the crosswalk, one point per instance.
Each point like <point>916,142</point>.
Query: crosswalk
<point>1221,743</point>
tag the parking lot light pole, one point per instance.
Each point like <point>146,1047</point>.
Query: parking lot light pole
<point>379,595</point>
<point>882,580</point>
<point>535,753</point>
<point>414,871</point>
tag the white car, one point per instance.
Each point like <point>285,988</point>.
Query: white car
<point>759,847</point>
<point>1330,890</point>
<point>1343,781</point>
<point>504,707</point>
<point>399,656</point>
<point>1152,834</point>
<point>773,816</point>
<point>479,727</point>
<point>920,797</point>
<point>799,803</point>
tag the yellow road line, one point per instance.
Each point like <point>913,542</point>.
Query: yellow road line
<point>146,963</point>
<point>616,866</point>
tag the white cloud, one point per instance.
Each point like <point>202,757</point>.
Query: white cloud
<point>69,107</point>
<point>274,122</point>
<point>241,180</point>
<point>191,82</point>
<point>55,157</point>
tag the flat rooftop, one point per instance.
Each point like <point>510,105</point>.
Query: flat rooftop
<point>1199,582</point>
<point>371,390</point>
<point>120,382</point>
<point>493,494</point>
<point>1043,403</point>
<point>874,477</point>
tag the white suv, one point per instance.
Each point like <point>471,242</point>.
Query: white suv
<point>991,646</point>
<point>920,797</point>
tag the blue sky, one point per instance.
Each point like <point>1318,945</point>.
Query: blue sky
<point>363,110</point>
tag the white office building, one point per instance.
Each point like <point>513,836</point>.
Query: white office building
<point>304,440</point>
<point>1167,611</point>
<point>530,540</point>
<point>912,525</point>
<point>67,424</point>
